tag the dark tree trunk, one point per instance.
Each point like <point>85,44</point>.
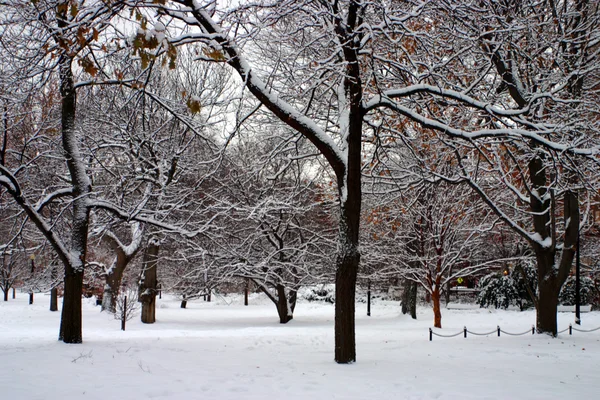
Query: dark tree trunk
<point>70,327</point>
<point>148,286</point>
<point>112,283</point>
<point>183,303</point>
<point>412,300</point>
<point>6,295</point>
<point>54,290</point>
<point>246,290</point>
<point>14,293</point>
<point>71,323</point>
<point>285,314</point>
<point>54,299</point>
<point>550,278</point>
<point>547,308</point>
<point>30,298</point>
<point>112,280</point>
<point>404,303</point>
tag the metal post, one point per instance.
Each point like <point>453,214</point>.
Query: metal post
<point>533,329</point>
<point>369,299</point>
<point>577,285</point>
<point>465,331</point>
<point>430,334</point>
<point>498,330</point>
<point>32,272</point>
<point>570,329</point>
<point>124,314</point>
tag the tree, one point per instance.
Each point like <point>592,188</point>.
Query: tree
<point>368,70</point>
<point>275,235</point>
<point>545,64</point>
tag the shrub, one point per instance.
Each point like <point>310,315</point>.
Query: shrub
<point>567,293</point>
<point>497,290</point>
<point>501,291</point>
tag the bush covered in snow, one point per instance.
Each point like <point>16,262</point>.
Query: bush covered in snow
<point>324,293</point>
<point>567,293</point>
<point>497,290</point>
<point>503,290</point>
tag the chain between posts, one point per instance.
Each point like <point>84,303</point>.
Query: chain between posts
<point>498,330</point>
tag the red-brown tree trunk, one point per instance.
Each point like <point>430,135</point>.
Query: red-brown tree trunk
<point>437,311</point>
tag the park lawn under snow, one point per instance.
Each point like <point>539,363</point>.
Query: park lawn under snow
<point>223,350</point>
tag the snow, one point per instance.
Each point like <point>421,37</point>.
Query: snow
<point>216,350</point>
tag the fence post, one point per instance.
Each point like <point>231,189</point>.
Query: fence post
<point>124,315</point>
<point>369,299</point>
<point>430,334</point>
<point>533,329</point>
<point>570,329</point>
<point>465,331</point>
<point>498,330</point>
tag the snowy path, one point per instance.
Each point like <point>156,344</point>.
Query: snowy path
<point>212,350</point>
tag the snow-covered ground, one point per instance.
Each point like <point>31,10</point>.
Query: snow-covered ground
<point>227,351</point>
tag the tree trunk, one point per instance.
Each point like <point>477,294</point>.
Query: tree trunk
<point>6,294</point>
<point>54,290</point>
<point>70,326</point>
<point>547,308</point>
<point>148,285</point>
<point>285,305</point>
<point>412,300</point>
<point>246,289</point>
<point>112,283</point>
<point>30,298</point>
<point>409,298</point>
<point>54,299</point>
<point>437,312</point>
<point>550,276</point>
<point>14,293</point>
<point>71,323</point>
<point>183,303</point>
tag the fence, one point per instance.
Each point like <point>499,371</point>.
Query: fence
<point>465,331</point>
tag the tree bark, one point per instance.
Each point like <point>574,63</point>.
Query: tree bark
<point>6,295</point>
<point>148,284</point>
<point>345,293</point>
<point>412,300</point>
<point>551,277</point>
<point>54,299</point>
<point>285,304</point>
<point>71,323</point>
<point>409,298</point>
<point>112,283</point>
<point>437,312</point>
<point>54,290</point>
